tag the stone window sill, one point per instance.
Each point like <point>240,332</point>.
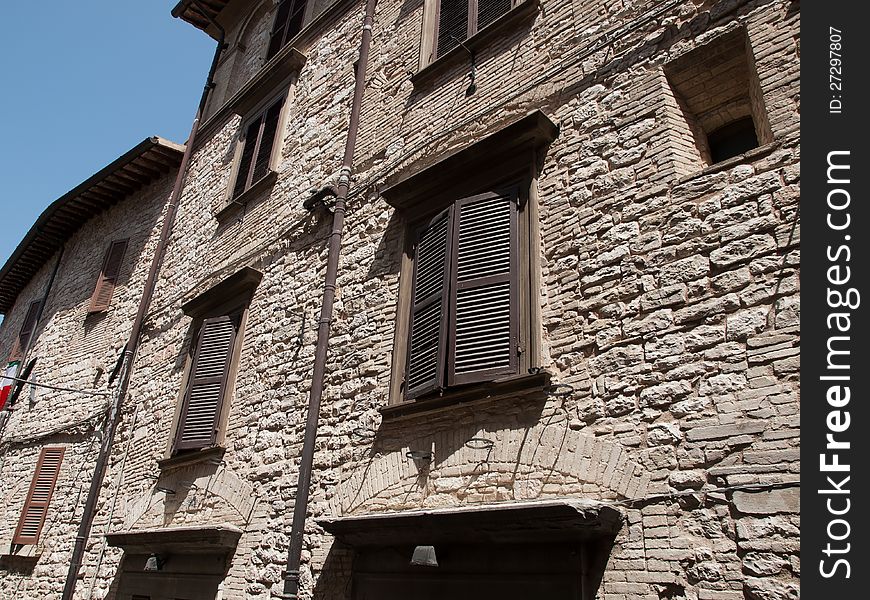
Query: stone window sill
<point>214,454</point>
<point>525,10</point>
<point>726,164</point>
<point>506,387</point>
<point>264,182</point>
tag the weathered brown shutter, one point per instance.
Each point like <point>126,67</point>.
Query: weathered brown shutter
<point>452,25</point>
<point>26,331</point>
<point>483,299</point>
<point>428,327</point>
<point>102,296</point>
<point>267,141</point>
<point>39,496</point>
<point>490,10</point>
<point>249,147</point>
<point>197,426</point>
<point>288,22</point>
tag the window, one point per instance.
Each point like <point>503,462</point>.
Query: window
<point>717,99</point>
<point>26,331</point>
<point>458,20</point>
<point>256,151</point>
<point>207,383</point>
<point>468,313</point>
<point>39,496</point>
<point>288,23</point>
<point>218,322</point>
<point>102,296</point>
<point>464,314</point>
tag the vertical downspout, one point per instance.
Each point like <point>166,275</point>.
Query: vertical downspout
<point>114,415</point>
<point>300,509</point>
<point>16,389</point>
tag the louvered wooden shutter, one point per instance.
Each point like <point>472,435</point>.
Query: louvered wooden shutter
<point>102,296</point>
<point>250,145</point>
<point>267,141</point>
<point>452,25</point>
<point>26,331</point>
<point>39,496</point>
<point>288,22</point>
<point>197,426</point>
<point>428,328</point>
<point>484,318</point>
<point>490,10</point>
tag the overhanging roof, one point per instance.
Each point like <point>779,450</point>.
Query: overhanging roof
<point>149,160</point>
<point>564,520</point>
<point>200,13</point>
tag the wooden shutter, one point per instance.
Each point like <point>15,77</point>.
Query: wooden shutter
<point>267,141</point>
<point>288,22</point>
<point>428,327</point>
<point>39,496</point>
<point>490,10</point>
<point>484,319</point>
<point>27,327</point>
<point>249,146</point>
<point>452,25</point>
<point>102,296</point>
<point>197,426</point>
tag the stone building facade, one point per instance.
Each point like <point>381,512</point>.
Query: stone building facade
<point>73,347</point>
<point>616,415</point>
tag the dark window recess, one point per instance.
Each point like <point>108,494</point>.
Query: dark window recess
<point>732,139</point>
<point>458,20</point>
<point>207,382</point>
<point>102,296</point>
<point>39,496</point>
<point>288,22</point>
<point>257,147</point>
<point>27,327</point>
<point>464,316</point>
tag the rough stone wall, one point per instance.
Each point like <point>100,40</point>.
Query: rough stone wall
<point>73,350</point>
<point>669,306</point>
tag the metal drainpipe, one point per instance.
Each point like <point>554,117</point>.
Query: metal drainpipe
<point>114,415</point>
<point>16,389</point>
<point>300,509</point>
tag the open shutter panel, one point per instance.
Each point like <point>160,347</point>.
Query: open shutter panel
<point>102,296</point>
<point>26,331</point>
<point>452,25</point>
<point>484,305</point>
<point>427,339</point>
<point>39,496</point>
<point>490,10</point>
<point>250,145</point>
<point>208,377</point>
<point>267,142</point>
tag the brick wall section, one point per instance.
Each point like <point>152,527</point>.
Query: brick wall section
<point>669,305</point>
<point>73,350</point>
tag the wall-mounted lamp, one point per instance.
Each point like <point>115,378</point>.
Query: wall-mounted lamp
<point>419,455</point>
<point>154,563</point>
<point>477,443</point>
<point>424,556</point>
<point>560,389</point>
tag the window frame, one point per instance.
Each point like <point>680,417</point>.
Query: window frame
<point>285,39</point>
<point>259,112</point>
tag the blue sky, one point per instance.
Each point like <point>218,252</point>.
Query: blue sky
<point>82,83</point>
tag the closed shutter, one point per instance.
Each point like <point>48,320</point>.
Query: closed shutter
<point>267,142</point>
<point>39,496</point>
<point>248,148</point>
<point>288,22</point>
<point>483,299</point>
<point>490,10</point>
<point>197,426</point>
<point>427,339</point>
<point>102,296</point>
<point>452,25</point>
<point>27,327</point>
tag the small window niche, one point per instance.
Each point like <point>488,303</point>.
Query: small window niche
<point>716,102</point>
